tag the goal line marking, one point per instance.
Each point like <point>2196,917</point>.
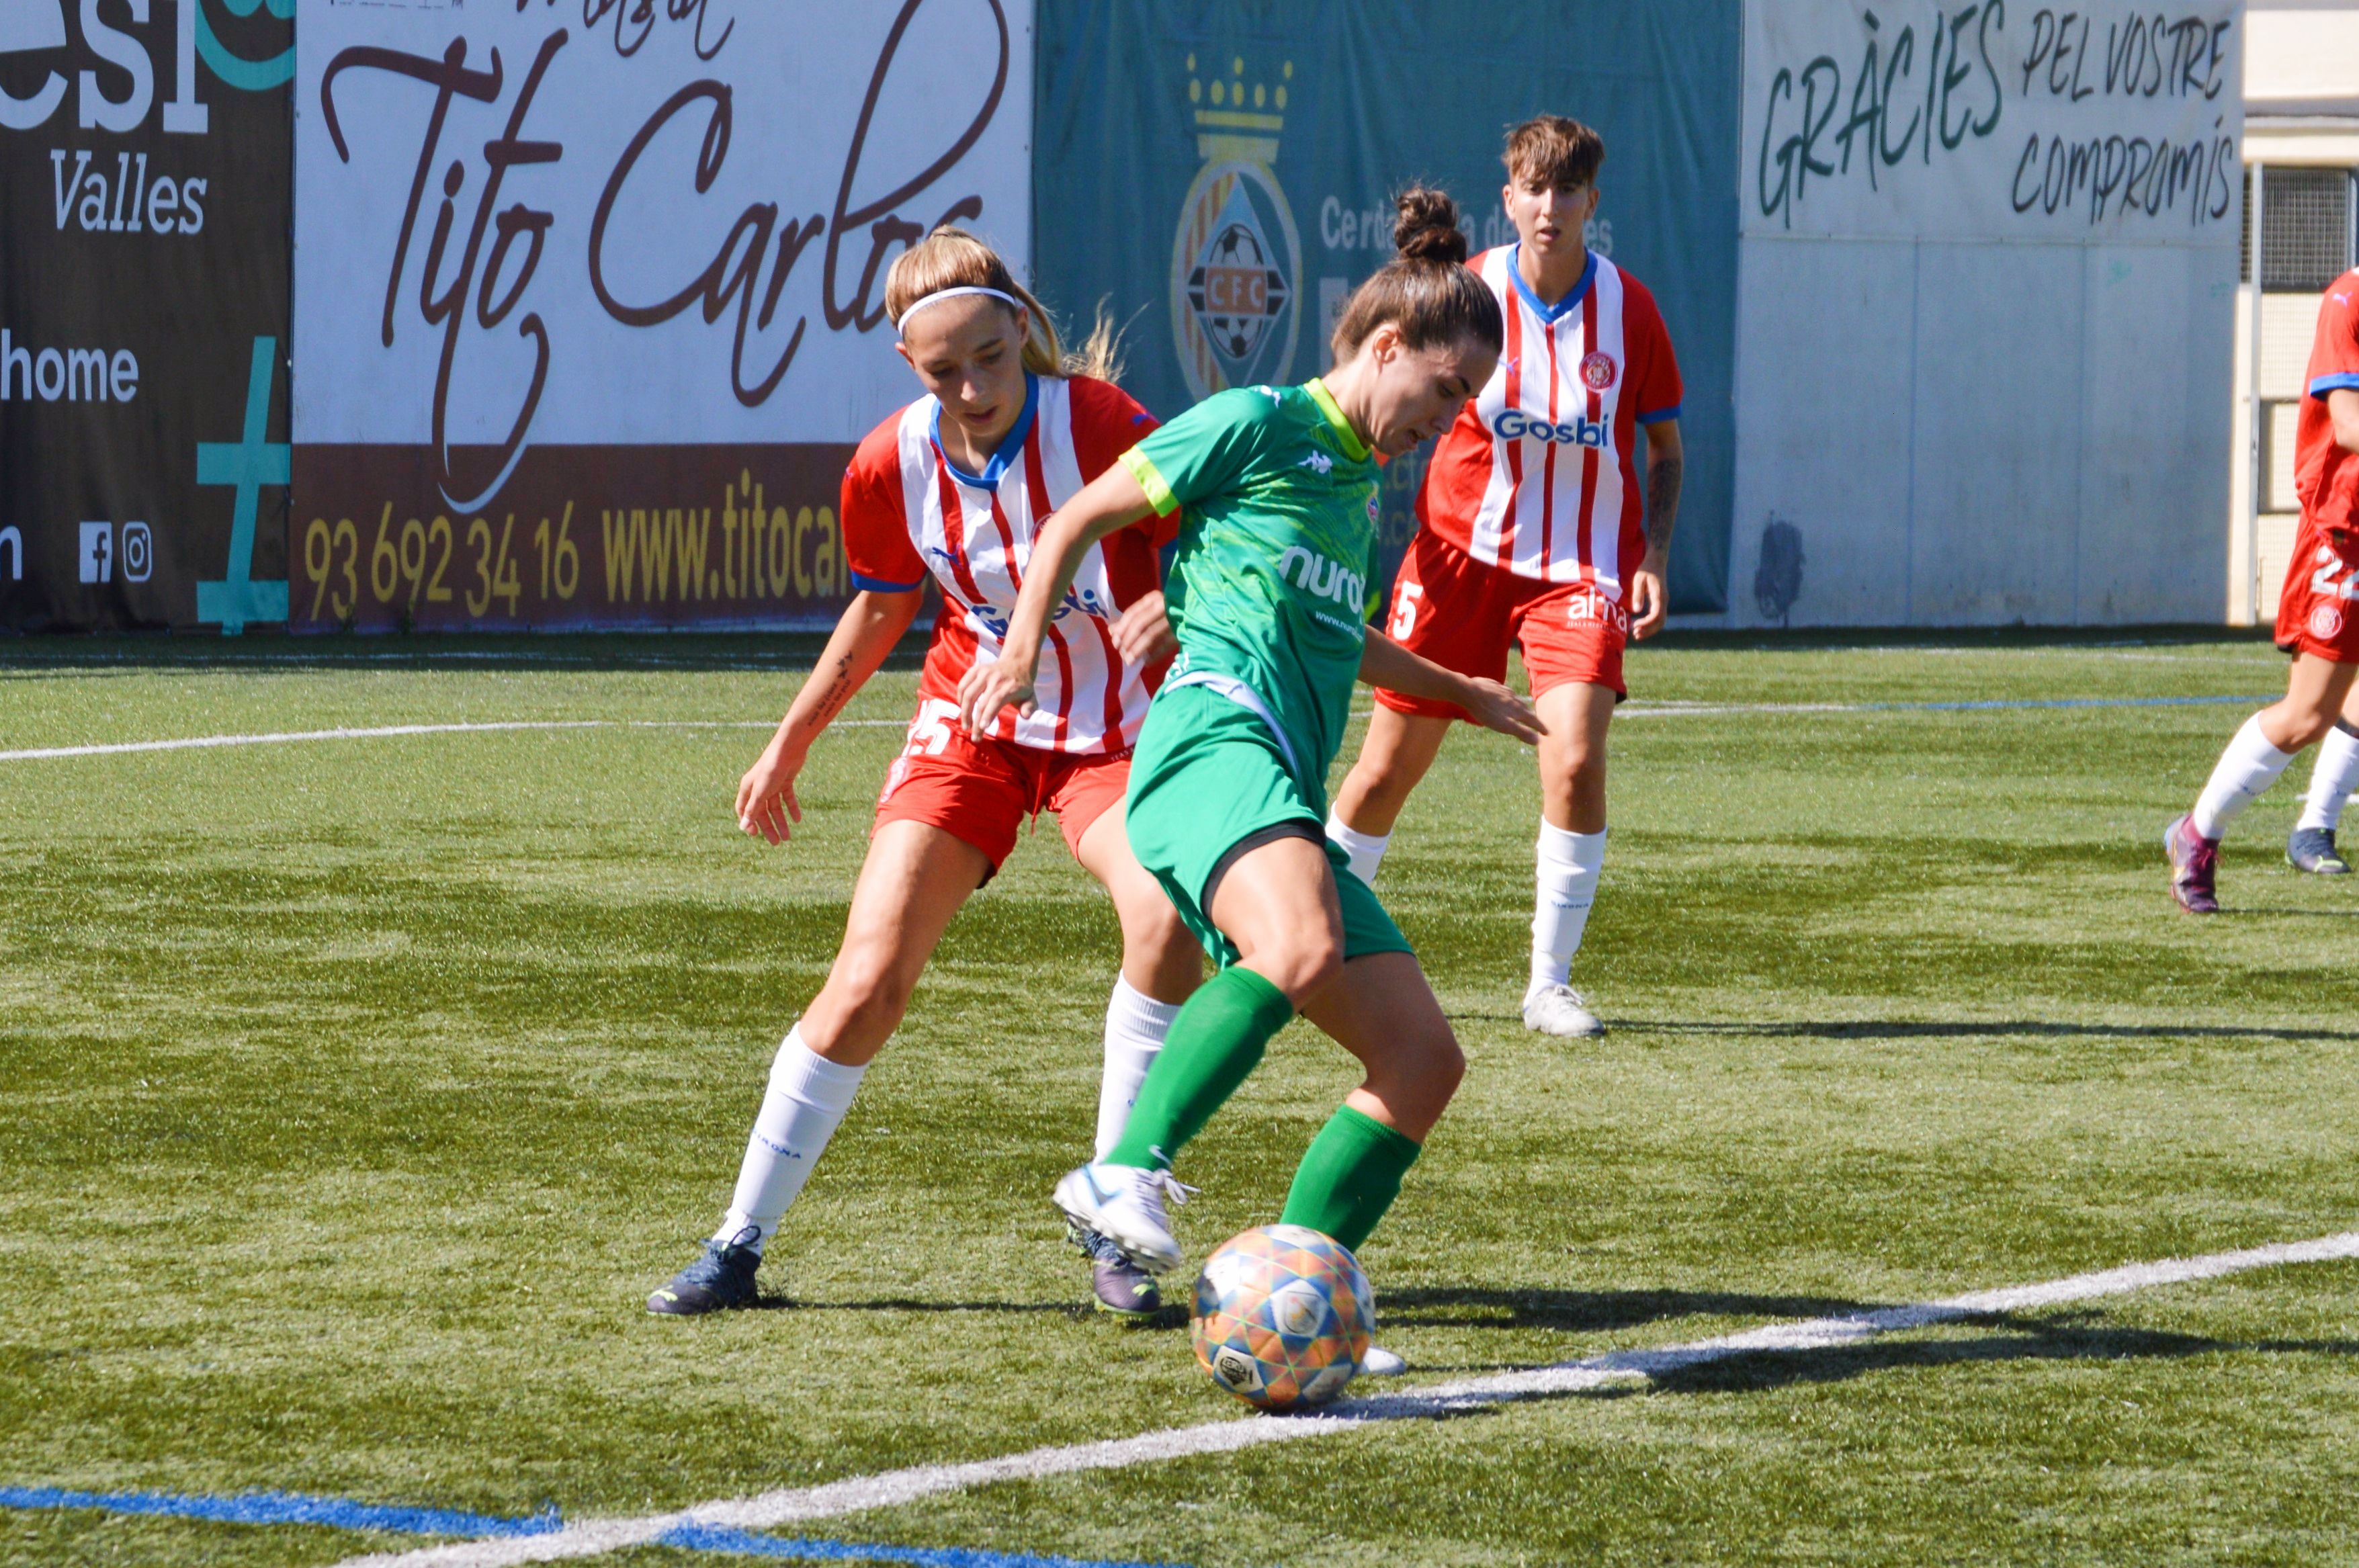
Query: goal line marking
<point>1635,711</point>
<point>591,1538</point>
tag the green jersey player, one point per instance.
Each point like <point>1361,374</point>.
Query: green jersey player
<point>1227,796</point>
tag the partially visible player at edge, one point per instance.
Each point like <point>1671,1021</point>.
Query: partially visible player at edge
<point>1533,532</point>
<point>2318,623</point>
<point>956,486</point>
<point>1227,800</point>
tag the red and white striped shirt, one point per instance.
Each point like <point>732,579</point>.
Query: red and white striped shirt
<point>1539,474</point>
<point>909,513</point>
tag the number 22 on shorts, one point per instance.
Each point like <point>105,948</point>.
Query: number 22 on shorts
<point>2321,581</point>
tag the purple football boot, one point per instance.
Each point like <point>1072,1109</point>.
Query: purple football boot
<point>2194,867</point>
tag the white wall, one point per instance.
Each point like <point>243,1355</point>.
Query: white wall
<point>1975,409</point>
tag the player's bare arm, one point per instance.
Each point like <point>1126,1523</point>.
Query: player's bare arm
<point>1385,663</point>
<point>1111,502</point>
<point>1665,467</point>
<point>864,635</point>
<point>2342,407</point>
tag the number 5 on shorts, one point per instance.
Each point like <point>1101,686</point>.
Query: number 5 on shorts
<point>931,730</point>
<point>1405,609</point>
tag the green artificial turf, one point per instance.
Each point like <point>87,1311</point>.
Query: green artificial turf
<point>353,1094</point>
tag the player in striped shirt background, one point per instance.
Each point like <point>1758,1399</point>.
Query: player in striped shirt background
<point>1533,531</point>
<point>954,487</point>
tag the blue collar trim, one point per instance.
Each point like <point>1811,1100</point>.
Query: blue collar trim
<point>1554,313</point>
<point>1009,445</point>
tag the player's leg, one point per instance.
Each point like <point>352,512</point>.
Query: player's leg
<point>1399,748</point>
<point>2332,779</point>
<point>1161,967</point>
<point>943,824</point>
<point>1453,610</point>
<point>1161,963</point>
<point>2315,690</point>
<point>1571,855</point>
<point>1573,637</point>
<point>1272,900</point>
<point>1381,1010</point>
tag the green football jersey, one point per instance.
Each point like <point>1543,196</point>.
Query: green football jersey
<point>1277,557</point>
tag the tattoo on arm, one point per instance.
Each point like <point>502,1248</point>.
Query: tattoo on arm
<point>1663,476</point>
<point>838,692</point>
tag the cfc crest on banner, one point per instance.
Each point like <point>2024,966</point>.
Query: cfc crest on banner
<point>1236,260</point>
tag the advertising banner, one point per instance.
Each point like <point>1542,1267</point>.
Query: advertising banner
<point>1985,312</point>
<point>1219,174</point>
<point>145,152</point>
<point>589,295</point>
<point>2105,120</point>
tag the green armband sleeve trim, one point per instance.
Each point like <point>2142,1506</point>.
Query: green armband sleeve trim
<point>1158,494</point>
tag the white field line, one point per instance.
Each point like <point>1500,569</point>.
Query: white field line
<point>381,732</point>
<point>1666,710</point>
<point>594,1538</point>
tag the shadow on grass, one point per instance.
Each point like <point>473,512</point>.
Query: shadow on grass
<point>2014,1339</point>
<point>1589,1312</point>
<point>1882,1028</point>
<point>2075,1337</point>
<point>785,1303</point>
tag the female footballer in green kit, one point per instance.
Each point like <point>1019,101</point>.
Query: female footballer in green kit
<point>1227,796</point>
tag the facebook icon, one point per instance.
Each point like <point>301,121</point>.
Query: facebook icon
<point>97,557</point>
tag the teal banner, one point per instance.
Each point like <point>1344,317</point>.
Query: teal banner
<point>1217,174</point>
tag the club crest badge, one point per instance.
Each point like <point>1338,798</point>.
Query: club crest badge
<point>2326,622</point>
<point>1598,370</point>
<point>1236,259</point>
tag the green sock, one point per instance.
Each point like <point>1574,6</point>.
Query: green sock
<point>1215,1041</point>
<point>1349,1176</point>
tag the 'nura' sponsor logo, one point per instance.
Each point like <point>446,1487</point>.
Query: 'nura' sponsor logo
<point>1327,579</point>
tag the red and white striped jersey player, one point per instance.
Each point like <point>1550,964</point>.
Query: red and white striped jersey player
<point>1536,529</point>
<point>2317,624</point>
<point>953,489</point>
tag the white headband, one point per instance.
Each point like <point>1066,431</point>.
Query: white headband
<point>923,301</point>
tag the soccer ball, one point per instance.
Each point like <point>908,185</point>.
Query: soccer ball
<point>1283,1316</point>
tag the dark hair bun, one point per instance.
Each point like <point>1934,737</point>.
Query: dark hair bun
<point>1427,229</point>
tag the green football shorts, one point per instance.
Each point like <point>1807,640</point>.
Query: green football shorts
<point>1208,781</point>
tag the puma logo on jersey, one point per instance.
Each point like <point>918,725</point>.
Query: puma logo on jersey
<point>1327,579</point>
<point>1318,462</point>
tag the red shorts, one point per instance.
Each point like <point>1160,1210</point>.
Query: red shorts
<point>980,792</point>
<point>2318,611</point>
<point>1462,614</point>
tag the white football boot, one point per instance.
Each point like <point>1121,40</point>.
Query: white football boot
<point>1125,1204</point>
<point>1560,1010</point>
<point>1382,1363</point>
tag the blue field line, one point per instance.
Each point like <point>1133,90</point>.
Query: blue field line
<point>342,1513</point>
<point>746,1544</point>
<point>286,1508</point>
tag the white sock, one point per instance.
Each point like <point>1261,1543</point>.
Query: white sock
<point>1569,865</point>
<point>806,1102</point>
<point>2247,768</point>
<point>2332,779</point>
<point>1366,850</point>
<point>1134,1028</point>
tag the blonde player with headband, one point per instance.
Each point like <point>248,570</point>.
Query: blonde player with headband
<point>955,486</point>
